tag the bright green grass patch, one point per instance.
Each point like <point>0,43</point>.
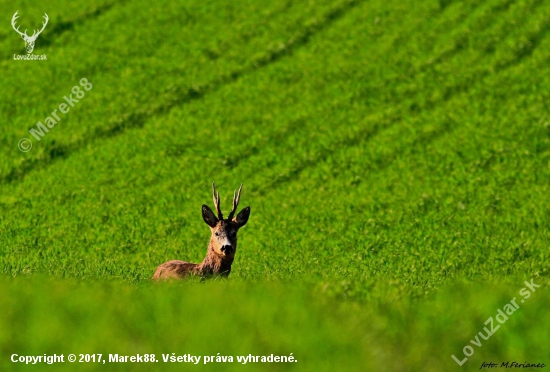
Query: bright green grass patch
<point>239,318</point>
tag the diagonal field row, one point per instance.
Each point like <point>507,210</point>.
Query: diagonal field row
<point>175,96</point>
<point>207,63</point>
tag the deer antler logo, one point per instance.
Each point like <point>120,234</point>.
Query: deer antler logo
<point>29,40</point>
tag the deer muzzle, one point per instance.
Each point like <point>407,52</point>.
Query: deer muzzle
<point>227,249</point>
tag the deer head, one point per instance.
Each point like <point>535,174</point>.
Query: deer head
<point>224,231</point>
<point>29,40</point>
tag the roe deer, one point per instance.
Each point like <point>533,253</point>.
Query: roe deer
<point>222,246</point>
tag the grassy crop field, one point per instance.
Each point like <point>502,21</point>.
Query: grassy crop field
<point>395,156</point>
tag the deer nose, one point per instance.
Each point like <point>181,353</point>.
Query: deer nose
<point>227,249</point>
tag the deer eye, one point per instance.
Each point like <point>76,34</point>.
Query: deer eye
<point>217,234</point>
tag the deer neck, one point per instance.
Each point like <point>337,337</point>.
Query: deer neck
<point>214,263</point>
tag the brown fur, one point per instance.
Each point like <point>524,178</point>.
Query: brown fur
<point>213,264</point>
<point>221,249</point>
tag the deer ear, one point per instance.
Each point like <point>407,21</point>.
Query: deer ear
<point>242,217</point>
<point>208,216</point>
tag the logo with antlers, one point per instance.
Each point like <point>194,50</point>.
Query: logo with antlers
<point>29,40</point>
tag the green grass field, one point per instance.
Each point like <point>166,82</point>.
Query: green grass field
<point>395,156</point>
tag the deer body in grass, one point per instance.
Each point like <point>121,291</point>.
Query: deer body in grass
<point>222,246</point>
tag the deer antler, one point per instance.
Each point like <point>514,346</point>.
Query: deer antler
<point>236,199</point>
<point>216,198</point>
<point>13,19</point>
<point>24,34</point>
<point>36,33</point>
